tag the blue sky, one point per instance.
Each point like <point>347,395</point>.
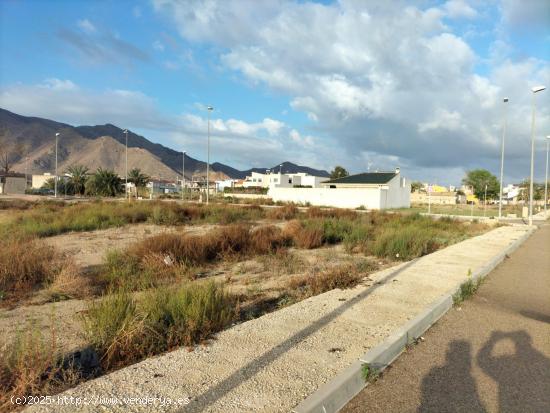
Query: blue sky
<point>364,84</point>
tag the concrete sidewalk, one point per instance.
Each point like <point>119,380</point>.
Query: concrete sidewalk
<point>272,363</point>
<point>491,354</point>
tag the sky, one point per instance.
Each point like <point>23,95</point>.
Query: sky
<point>366,84</point>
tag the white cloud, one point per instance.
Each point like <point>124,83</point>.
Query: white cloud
<point>86,26</point>
<point>387,78</point>
<point>459,9</point>
<point>157,45</point>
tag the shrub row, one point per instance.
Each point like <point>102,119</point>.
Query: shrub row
<point>123,329</point>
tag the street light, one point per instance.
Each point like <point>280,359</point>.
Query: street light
<point>536,89</point>
<point>505,100</point>
<point>546,180</point>
<point>55,181</point>
<point>210,109</point>
<point>126,174</point>
<point>183,175</point>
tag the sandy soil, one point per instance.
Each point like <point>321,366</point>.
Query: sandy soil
<point>89,248</point>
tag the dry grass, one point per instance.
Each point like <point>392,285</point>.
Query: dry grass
<point>25,264</point>
<point>69,283</point>
<point>285,212</point>
<point>32,365</point>
<point>342,276</point>
<point>302,236</point>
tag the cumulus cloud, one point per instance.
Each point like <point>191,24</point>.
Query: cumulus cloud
<point>391,80</point>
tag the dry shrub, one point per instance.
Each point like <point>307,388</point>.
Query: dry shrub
<point>26,263</point>
<point>343,276</point>
<point>316,212</point>
<point>302,236</point>
<point>31,365</point>
<point>70,283</point>
<point>286,212</point>
<point>267,239</point>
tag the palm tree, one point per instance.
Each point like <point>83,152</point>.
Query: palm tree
<point>77,178</point>
<point>104,182</point>
<point>138,179</point>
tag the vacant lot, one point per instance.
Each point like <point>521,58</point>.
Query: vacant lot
<point>466,210</point>
<point>130,280</point>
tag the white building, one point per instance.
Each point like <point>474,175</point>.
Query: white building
<point>375,190</point>
<point>280,180</point>
<point>38,181</point>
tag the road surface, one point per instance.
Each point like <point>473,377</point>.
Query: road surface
<point>491,354</point>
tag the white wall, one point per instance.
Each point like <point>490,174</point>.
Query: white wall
<point>39,180</point>
<point>398,194</point>
<point>334,197</point>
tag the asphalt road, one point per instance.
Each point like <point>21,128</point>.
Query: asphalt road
<point>491,354</point>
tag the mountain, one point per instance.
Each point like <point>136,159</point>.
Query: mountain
<point>104,146</point>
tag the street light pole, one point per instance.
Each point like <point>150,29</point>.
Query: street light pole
<point>546,175</point>
<point>534,90</point>
<point>505,100</point>
<point>210,109</point>
<point>183,175</point>
<point>126,168</point>
<point>485,202</point>
<point>55,181</point>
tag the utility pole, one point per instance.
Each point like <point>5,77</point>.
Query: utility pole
<point>210,109</point>
<point>55,180</point>
<point>183,175</point>
<point>505,100</point>
<point>126,168</point>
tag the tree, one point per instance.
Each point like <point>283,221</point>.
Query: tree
<point>104,182</point>
<point>9,154</point>
<point>62,187</point>
<point>76,182</point>
<point>416,186</point>
<point>338,172</point>
<point>478,178</point>
<point>138,179</point>
<point>538,190</point>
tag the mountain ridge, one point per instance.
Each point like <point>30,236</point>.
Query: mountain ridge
<point>104,145</point>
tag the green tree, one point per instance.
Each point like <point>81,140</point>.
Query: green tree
<point>138,179</point>
<point>416,186</point>
<point>62,187</point>
<point>538,190</point>
<point>478,178</point>
<point>104,182</point>
<point>338,172</point>
<point>76,181</point>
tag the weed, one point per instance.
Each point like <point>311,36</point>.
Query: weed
<point>370,374</point>
<point>123,330</point>
<point>32,365</point>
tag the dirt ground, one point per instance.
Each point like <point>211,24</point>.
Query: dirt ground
<point>262,277</point>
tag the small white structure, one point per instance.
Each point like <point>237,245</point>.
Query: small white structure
<point>12,183</point>
<point>374,190</point>
<point>227,183</point>
<point>38,181</point>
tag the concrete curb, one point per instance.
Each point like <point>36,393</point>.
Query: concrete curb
<point>334,395</point>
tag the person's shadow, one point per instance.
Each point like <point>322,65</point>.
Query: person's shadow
<point>451,388</point>
<point>523,378</point>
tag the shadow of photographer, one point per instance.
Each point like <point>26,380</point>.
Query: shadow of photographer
<point>523,377</point>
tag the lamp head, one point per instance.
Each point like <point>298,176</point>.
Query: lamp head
<point>505,100</point>
<point>57,134</point>
<point>538,88</point>
<point>209,108</point>
<point>125,131</point>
